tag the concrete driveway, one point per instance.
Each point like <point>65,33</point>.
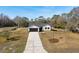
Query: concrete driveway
<point>34,44</point>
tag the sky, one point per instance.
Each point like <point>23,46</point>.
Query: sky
<point>34,11</point>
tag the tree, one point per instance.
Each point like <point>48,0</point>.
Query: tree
<point>25,18</point>
<point>5,21</point>
<point>21,21</point>
<point>42,19</point>
<point>58,21</point>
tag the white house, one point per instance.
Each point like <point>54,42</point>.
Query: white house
<point>39,27</point>
<point>46,28</point>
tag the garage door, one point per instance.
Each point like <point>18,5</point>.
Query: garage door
<point>33,29</point>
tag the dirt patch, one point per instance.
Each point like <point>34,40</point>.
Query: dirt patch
<point>53,40</point>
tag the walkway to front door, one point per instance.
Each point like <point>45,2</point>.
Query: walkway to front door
<point>34,44</point>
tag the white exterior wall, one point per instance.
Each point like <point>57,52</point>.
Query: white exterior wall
<point>45,28</point>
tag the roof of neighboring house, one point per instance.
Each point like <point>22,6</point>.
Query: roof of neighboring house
<point>39,24</point>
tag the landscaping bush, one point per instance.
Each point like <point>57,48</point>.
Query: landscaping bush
<point>60,26</point>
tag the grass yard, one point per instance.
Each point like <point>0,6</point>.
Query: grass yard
<point>66,41</point>
<point>13,40</point>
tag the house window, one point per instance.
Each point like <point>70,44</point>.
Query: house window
<point>48,27</point>
<point>45,27</point>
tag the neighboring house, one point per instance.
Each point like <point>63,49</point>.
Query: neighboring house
<point>77,29</point>
<point>39,27</point>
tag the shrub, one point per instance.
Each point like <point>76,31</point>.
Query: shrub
<point>60,26</point>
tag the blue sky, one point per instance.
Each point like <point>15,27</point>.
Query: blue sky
<point>34,11</point>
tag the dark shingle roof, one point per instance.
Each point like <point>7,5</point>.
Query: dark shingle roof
<point>39,24</point>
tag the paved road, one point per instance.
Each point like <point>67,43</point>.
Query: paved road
<point>34,44</point>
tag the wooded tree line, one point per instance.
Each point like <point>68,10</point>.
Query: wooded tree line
<point>5,21</point>
<point>64,21</point>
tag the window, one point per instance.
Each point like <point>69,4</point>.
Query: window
<point>48,27</point>
<point>45,27</point>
